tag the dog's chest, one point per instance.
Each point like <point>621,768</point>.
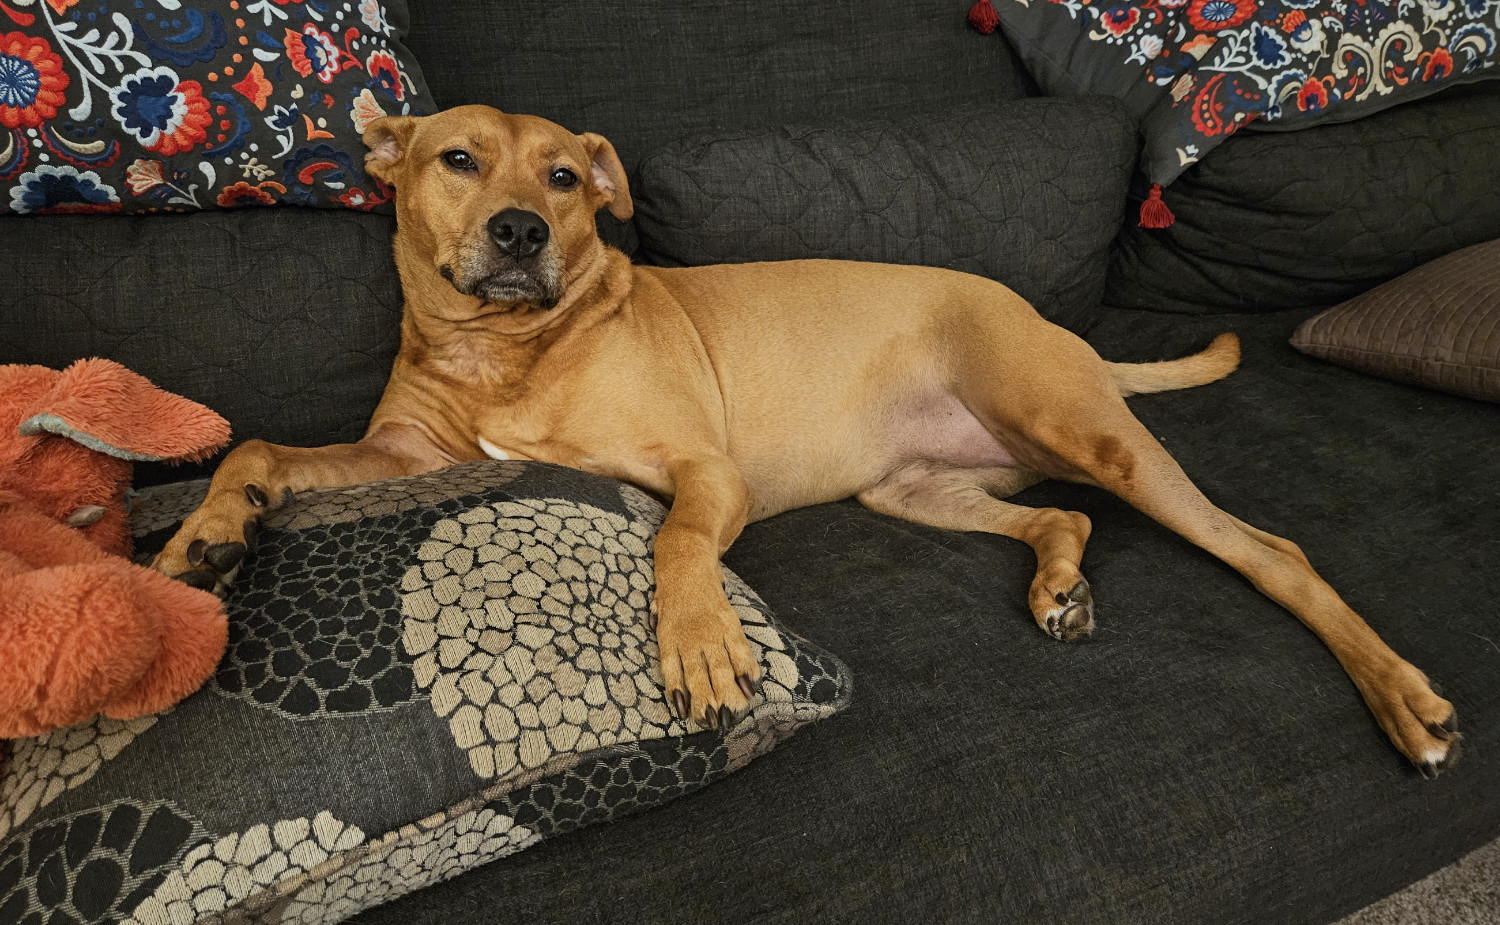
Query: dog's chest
<point>575,450</point>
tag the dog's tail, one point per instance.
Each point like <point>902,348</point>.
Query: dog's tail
<point>1214,363</point>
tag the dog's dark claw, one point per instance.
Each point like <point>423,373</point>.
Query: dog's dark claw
<point>711,719</point>
<point>224,556</point>
<point>1081,593</point>
<point>250,528</point>
<point>200,578</point>
<point>726,719</point>
<point>256,495</point>
<point>1428,770</point>
<point>195,551</point>
<point>746,687</point>
<point>679,700</point>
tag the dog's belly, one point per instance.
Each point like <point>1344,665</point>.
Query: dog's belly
<point>839,456</point>
<point>935,427</point>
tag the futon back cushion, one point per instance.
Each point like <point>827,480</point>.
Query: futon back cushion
<point>1288,219</point>
<point>1029,193</point>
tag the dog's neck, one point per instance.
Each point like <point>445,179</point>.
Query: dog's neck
<point>475,340</point>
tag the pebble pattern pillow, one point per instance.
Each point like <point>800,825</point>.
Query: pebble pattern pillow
<point>423,675</point>
<point>172,105</point>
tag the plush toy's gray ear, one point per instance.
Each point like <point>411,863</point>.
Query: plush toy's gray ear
<point>608,176</point>
<point>109,409</point>
<point>387,139</point>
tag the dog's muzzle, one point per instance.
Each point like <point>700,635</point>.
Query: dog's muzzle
<point>519,267</point>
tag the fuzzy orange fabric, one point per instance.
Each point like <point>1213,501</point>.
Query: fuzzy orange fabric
<point>82,629</point>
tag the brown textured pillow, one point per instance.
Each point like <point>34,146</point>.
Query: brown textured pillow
<point>1437,326</point>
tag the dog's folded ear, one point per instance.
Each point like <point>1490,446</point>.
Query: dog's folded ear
<point>387,138</point>
<point>608,176</point>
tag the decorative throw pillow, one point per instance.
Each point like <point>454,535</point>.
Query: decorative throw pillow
<point>172,105</point>
<point>423,675</point>
<point>1438,326</point>
<point>1270,221</point>
<point>1029,194</point>
<point>1193,72</point>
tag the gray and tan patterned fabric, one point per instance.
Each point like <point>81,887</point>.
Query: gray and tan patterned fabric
<point>423,675</point>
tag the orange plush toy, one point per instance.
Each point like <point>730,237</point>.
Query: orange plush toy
<point>83,630</point>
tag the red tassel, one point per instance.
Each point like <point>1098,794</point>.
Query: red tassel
<point>983,17</point>
<point>1154,212</point>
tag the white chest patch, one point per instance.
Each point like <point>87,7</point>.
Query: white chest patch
<point>492,451</point>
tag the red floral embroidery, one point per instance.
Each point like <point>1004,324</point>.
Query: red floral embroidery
<point>32,81</point>
<point>1216,15</point>
<point>313,53</point>
<point>246,194</point>
<point>1119,20</point>
<point>1436,64</point>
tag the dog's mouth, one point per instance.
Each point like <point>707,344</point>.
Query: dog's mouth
<point>515,285</point>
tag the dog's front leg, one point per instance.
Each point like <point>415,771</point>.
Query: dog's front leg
<point>707,665</point>
<point>254,479</point>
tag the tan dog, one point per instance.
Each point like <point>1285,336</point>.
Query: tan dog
<point>742,391</point>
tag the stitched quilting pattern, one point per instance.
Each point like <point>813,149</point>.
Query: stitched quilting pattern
<point>284,321</point>
<point>1030,195</point>
<point>1437,326</point>
<point>160,105</point>
<point>1282,219</point>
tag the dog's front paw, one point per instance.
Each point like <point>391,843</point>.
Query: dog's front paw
<point>211,546</point>
<point>1422,725</point>
<point>709,670</point>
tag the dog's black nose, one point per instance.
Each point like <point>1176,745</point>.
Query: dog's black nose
<point>519,233</point>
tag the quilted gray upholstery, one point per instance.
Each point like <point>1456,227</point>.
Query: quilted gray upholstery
<point>1274,219</point>
<point>646,73</point>
<point>1029,194</point>
<point>1438,326</point>
<point>284,320</point>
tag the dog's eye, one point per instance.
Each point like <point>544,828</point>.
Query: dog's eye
<point>563,178</point>
<point>460,160</point>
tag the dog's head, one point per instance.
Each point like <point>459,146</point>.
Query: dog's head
<point>503,205</point>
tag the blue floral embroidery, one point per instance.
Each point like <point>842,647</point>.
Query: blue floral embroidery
<point>124,105</point>
<point>146,104</point>
<point>62,189</point>
<point>19,81</point>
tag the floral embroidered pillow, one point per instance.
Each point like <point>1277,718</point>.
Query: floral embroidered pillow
<point>1194,72</point>
<point>178,105</point>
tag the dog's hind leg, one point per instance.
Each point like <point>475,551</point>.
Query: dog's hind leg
<point>940,495</point>
<point>1103,443</point>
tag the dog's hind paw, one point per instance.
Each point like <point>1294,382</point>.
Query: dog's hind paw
<point>1421,724</point>
<point>1070,617</point>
